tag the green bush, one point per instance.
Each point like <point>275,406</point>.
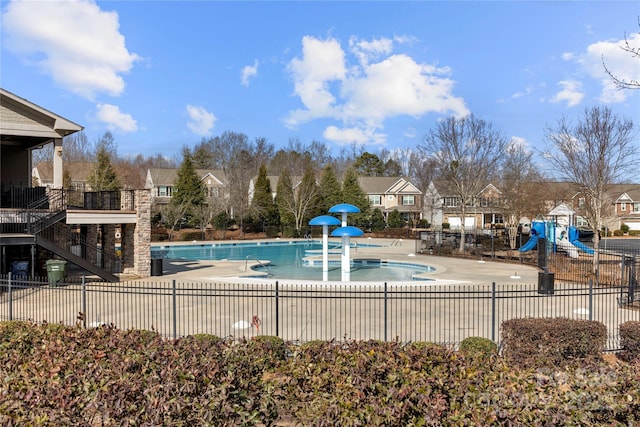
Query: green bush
<point>552,342</point>
<point>477,346</point>
<point>630,340</point>
<point>624,228</point>
<point>618,233</point>
<point>634,232</point>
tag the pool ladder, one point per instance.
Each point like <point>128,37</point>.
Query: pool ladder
<point>266,266</point>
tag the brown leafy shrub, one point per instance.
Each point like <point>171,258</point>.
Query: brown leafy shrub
<point>630,340</point>
<point>552,342</point>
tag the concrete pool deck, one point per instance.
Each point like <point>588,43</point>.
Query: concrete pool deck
<point>447,269</point>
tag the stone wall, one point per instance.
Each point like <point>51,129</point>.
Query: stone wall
<point>142,233</point>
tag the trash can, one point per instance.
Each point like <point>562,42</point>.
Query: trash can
<point>56,270</point>
<point>19,270</point>
<point>156,267</point>
<point>545,282</point>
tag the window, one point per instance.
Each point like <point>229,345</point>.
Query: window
<point>164,191</point>
<point>451,202</point>
<point>213,192</point>
<point>375,199</point>
<point>636,207</point>
<point>623,206</point>
<point>581,202</point>
<point>408,200</point>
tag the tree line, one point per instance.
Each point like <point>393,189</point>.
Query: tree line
<point>465,153</point>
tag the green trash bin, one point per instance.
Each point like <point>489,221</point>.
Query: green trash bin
<point>55,270</point>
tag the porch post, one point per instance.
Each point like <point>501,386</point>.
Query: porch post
<point>57,163</point>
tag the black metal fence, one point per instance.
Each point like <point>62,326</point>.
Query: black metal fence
<point>414,311</point>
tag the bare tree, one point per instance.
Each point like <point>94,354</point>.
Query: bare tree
<point>468,152</point>
<point>593,154</point>
<point>621,82</point>
<point>298,203</point>
<point>519,186</point>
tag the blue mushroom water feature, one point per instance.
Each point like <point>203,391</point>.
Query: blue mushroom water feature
<point>325,221</point>
<point>345,232</point>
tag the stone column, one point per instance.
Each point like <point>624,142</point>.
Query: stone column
<point>109,248</point>
<point>127,246</point>
<point>142,233</point>
<point>92,243</point>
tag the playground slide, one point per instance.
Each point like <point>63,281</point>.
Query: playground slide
<point>566,246</point>
<point>573,239</point>
<point>537,229</point>
<point>531,243</point>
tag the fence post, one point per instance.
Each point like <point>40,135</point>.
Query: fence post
<point>385,311</point>
<point>277,310</point>
<point>10,296</point>
<point>493,311</point>
<point>174,309</point>
<point>84,303</point>
<point>590,299</point>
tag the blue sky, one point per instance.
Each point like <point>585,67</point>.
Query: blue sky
<point>164,74</point>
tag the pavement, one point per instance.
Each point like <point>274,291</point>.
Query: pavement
<point>447,269</point>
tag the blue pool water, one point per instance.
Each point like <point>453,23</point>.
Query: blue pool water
<point>287,260</point>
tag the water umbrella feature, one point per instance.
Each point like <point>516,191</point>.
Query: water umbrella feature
<point>345,233</point>
<point>325,221</point>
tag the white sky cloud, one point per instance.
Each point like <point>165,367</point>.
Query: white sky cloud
<point>248,72</point>
<point>115,119</point>
<point>201,121</point>
<point>363,96</point>
<point>622,64</point>
<point>572,93</point>
<point>75,42</point>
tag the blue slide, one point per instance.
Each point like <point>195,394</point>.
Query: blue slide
<point>573,239</point>
<point>537,229</point>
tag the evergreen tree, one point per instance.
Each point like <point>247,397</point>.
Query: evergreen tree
<point>330,190</point>
<point>377,222</point>
<point>103,176</point>
<point>189,191</point>
<point>353,194</point>
<point>262,203</point>
<point>284,198</point>
<point>395,219</point>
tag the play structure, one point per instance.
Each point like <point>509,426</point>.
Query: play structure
<point>563,238</point>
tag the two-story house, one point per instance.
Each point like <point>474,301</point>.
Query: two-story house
<point>161,183</point>
<point>393,193</point>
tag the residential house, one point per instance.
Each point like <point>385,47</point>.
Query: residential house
<point>393,193</point>
<point>442,205</point>
<point>161,183</point>
<point>79,172</point>
<point>38,222</point>
<point>273,182</point>
<point>627,208</point>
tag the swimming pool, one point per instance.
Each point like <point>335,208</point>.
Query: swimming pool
<point>289,260</point>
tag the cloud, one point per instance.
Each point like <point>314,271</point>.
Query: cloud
<point>360,97</point>
<point>572,93</point>
<point>249,72</point>
<point>620,63</point>
<point>201,121</point>
<point>115,119</point>
<point>75,42</point>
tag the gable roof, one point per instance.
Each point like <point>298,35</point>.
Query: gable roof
<point>25,123</point>
<point>387,185</point>
<point>167,176</point>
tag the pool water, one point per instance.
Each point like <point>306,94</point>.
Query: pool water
<point>287,260</point>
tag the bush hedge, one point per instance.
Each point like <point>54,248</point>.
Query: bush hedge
<point>552,342</point>
<point>55,375</point>
<point>630,340</point>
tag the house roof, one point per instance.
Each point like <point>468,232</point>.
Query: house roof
<point>26,123</point>
<point>167,176</point>
<point>386,185</point>
<point>78,171</point>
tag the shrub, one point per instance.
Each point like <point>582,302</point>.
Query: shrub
<point>624,228</point>
<point>618,233</point>
<point>634,232</point>
<point>477,346</point>
<point>446,225</point>
<point>552,342</point>
<point>630,340</point>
